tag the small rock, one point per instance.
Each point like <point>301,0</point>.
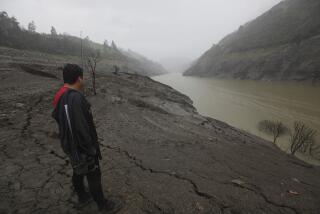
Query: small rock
<point>293,193</point>
<point>17,186</point>
<point>238,181</point>
<point>116,99</point>
<point>19,105</point>
<point>296,180</point>
<point>199,207</point>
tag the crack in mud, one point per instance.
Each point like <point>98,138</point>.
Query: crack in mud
<point>195,188</point>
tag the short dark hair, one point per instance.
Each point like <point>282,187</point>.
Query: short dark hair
<point>71,72</point>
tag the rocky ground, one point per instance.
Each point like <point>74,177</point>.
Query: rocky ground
<point>159,155</point>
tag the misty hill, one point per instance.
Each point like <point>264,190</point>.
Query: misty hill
<point>281,44</point>
<point>154,68</point>
<point>12,35</point>
<point>176,64</point>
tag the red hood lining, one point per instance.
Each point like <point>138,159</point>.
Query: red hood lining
<point>58,95</point>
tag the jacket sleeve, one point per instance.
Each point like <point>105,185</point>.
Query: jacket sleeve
<point>80,110</point>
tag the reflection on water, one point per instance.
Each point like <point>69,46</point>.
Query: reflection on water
<point>243,103</point>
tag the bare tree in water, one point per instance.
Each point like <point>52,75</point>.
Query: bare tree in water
<point>302,138</point>
<point>274,128</point>
<point>91,63</point>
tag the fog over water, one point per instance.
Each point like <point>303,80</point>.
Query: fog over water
<point>161,30</point>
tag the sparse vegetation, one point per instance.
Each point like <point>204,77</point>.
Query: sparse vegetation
<point>302,138</point>
<point>14,35</point>
<point>274,128</point>
<point>91,64</point>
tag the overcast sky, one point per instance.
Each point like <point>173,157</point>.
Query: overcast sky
<point>158,29</point>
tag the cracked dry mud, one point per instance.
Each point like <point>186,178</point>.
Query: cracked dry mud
<point>159,155</point>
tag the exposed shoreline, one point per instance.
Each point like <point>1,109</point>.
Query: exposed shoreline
<point>159,154</point>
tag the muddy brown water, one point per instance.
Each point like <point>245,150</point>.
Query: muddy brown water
<point>243,103</point>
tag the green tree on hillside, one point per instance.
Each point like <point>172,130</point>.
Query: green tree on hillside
<point>105,45</point>
<point>113,45</point>
<point>53,31</point>
<point>32,27</point>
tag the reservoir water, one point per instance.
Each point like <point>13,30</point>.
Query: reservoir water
<point>243,103</point>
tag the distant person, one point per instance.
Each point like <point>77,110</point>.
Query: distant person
<point>79,138</point>
<point>116,69</point>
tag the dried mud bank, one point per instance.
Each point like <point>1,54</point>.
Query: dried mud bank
<point>159,154</point>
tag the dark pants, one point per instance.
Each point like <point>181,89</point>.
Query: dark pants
<point>94,183</point>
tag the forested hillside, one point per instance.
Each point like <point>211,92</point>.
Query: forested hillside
<point>13,35</point>
<point>281,44</point>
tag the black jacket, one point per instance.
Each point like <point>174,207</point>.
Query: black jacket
<point>81,141</point>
